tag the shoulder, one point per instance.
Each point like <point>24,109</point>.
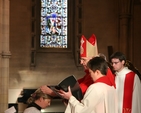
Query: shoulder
<point>31,110</point>
<point>131,76</point>
<point>100,87</point>
<point>124,71</point>
<point>96,85</point>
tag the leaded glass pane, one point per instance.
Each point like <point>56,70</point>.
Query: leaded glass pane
<point>53,24</point>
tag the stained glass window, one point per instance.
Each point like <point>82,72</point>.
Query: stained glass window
<point>53,25</point>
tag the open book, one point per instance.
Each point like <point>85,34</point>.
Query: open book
<point>74,85</point>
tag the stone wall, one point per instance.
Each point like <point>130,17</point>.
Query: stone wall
<point>100,18</point>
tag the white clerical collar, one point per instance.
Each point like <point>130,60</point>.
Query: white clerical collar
<point>122,71</point>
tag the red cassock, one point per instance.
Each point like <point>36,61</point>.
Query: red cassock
<point>85,82</point>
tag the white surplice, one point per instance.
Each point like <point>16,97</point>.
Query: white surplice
<point>99,98</point>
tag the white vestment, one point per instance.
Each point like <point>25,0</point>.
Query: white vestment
<point>99,98</point>
<point>136,92</point>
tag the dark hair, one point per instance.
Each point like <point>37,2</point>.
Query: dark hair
<point>36,95</point>
<point>98,63</point>
<point>118,55</point>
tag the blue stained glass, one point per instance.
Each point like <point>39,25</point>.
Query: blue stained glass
<point>53,24</point>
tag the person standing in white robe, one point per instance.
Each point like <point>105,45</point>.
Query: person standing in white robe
<point>128,85</point>
<point>100,97</point>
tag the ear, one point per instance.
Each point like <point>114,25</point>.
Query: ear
<point>123,62</point>
<point>41,99</point>
<point>98,72</point>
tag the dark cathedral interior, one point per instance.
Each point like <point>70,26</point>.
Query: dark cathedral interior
<point>28,62</point>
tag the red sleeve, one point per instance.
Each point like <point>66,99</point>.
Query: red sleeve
<point>85,82</point>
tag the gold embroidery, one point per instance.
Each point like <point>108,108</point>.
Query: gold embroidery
<point>81,47</point>
<point>126,110</point>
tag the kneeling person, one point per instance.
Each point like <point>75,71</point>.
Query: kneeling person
<point>37,101</point>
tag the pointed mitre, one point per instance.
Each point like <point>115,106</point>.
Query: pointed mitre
<point>88,48</point>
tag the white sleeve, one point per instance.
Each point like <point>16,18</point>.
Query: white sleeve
<point>136,99</point>
<point>91,98</point>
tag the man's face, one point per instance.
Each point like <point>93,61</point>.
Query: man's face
<point>84,61</point>
<point>117,64</point>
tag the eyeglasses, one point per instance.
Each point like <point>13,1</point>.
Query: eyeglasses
<point>115,62</point>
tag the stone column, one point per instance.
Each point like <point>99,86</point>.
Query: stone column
<point>4,54</point>
<point>125,7</point>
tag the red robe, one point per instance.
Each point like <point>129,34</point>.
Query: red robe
<point>85,82</point>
